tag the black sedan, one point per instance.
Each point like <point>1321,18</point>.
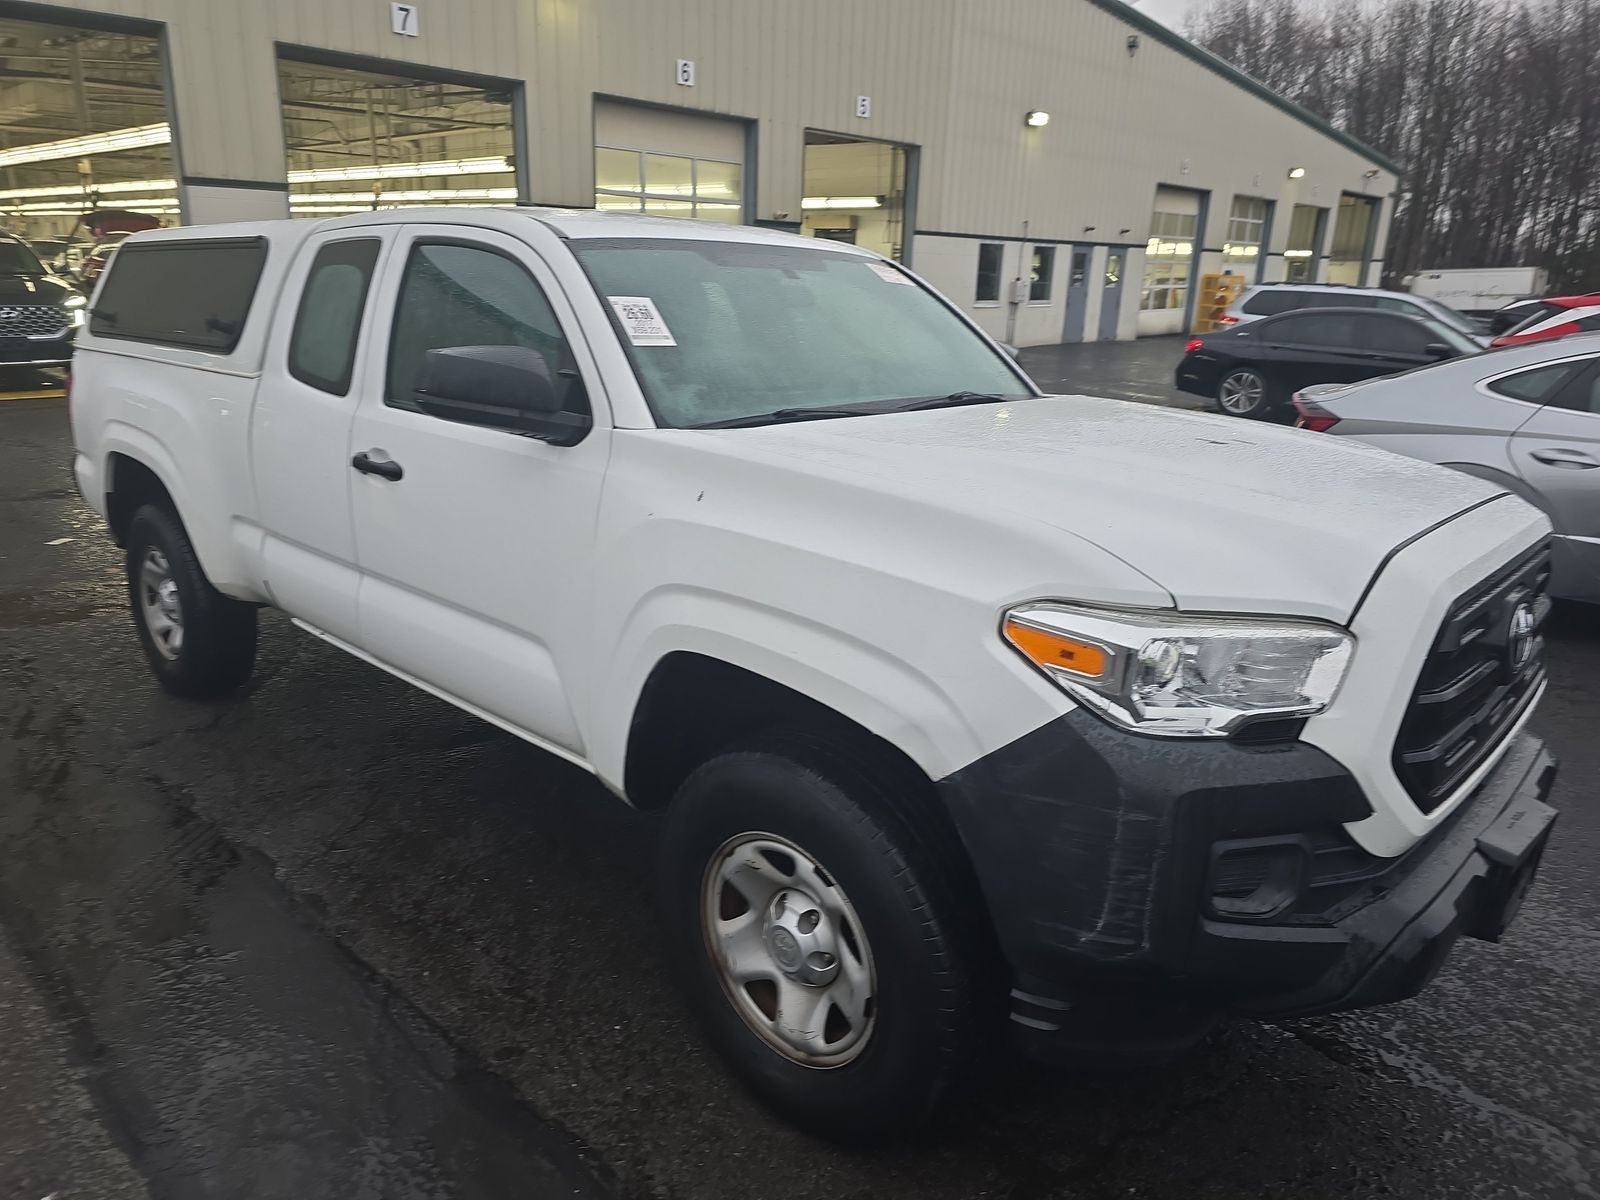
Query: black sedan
<point>1252,368</point>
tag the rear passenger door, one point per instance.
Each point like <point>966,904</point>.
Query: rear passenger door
<point>1558,453</point>
<point>475,543</point>
<point>1315,347</point>
<point>1394,343</point>
<point>300,429</point>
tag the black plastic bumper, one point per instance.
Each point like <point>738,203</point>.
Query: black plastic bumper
<point>1111,865</point>
<point>36,352</point>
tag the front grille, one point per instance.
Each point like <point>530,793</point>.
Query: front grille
<point>32,320</point>
<point>1483,668</point>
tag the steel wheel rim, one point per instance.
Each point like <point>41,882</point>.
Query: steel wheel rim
<point>1241,392</point>
<point>789,950</point>
<point>160,605</point>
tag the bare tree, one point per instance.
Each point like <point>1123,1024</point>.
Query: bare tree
<point>1489,105</point>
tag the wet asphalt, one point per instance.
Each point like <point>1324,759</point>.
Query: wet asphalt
<point>339,939</point>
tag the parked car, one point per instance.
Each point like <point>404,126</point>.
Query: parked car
<point>957,697</point>
<point>1272,299</point>
<point>1564,316</point>
<point>1505,319</point>
<point>94,263</point>
<point>39,312</point>
<point>1250,370</point>
<point>1525,419</point>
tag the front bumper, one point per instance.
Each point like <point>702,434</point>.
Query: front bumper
<point>1112,865</point>
<point>37,352</point>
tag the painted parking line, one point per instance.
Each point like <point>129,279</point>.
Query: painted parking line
<point>54,393</point>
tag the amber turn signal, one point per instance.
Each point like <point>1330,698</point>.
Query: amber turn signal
<point>1056,651</point>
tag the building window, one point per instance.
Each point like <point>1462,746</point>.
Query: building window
<point>1168,256</point>
<point>1247,229</point>
<point>1305,231</point>
<point>1044,266</point>
<point>990,255</point>
<point>667,185</point>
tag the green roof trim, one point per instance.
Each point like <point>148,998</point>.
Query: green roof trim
<point>1228,71</point>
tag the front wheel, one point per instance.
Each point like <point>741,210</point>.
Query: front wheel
<point>200,644</point>
<point>1244,392</point>
<point>822,942</point>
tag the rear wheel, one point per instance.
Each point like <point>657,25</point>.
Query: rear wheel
<point>200,644</point>
<point>824,945</point>
<point>1244,392</point>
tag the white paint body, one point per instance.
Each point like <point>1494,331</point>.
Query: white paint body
<point>864,563</point>
<point>1479,287</point>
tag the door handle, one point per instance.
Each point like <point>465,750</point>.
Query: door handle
<point>1574,460</point>
<point>377,466</point>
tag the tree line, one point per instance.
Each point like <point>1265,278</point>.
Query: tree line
<point>1491,107</point>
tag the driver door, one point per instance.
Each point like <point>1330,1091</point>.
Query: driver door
<point>474,543</point>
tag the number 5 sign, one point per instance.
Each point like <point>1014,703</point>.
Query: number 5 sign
<point>405,20</point>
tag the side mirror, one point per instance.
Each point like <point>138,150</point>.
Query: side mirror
<point>501,387</point>
<point>1438,350</point>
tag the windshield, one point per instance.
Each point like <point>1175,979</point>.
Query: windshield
<point>1453,338</point>
<point>719,331</point>
<point>1457,321</point>
<point>17,259</point>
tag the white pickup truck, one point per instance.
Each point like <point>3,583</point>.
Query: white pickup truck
<point>965,703</point>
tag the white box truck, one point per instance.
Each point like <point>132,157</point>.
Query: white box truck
<point>1480,290</point>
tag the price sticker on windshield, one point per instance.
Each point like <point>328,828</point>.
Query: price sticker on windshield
<point>888,274</point>
<point>640,320</point>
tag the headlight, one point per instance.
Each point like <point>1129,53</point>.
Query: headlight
<point>78,318</point>
<point>74,302</point>
<point>1179,676</point>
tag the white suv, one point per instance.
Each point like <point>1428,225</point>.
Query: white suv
<point>1270,299</point>
<point>962,702</point>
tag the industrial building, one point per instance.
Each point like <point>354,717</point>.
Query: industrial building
<point>1065,170</point>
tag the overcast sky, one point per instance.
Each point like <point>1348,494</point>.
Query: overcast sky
<point>1168,12</point>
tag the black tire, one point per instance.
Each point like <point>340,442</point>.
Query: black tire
<point>937,995</point>
<point>218,634</point>
<point>1253,379</point>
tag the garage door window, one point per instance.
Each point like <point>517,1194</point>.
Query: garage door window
<point>1168,257</point>
<point>667,185</point>
<point>1246,231</point>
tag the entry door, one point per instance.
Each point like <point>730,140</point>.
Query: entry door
<point>474,558</point>
<point>1111,295</point>
<point>300,428</point>
<point>1077,293</point>
<point>1558,453</point>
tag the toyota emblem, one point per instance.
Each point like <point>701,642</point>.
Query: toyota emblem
<point>1520,635</point>
<point>10,314</point>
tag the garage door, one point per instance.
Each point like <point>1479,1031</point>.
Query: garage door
<point>1169,258</point>
<point>668,164</point>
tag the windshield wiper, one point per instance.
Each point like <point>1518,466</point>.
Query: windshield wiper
<point>953,400</point>
<point>779,416</point>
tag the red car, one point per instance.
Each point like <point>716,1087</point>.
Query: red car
<point>1559,316</point>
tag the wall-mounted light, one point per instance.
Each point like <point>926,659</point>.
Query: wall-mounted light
<point>1372,174</point>
<point>1089,228</point>
<point>1125,229</point>
<point>1297,172</point>
<point>841,202</point>
<point>1036,118</point>
<point>1133,44</point>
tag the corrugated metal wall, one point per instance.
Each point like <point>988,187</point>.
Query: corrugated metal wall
<point>950,76</point>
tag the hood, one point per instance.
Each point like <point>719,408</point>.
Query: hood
<point>34,289</point>
<point>1226,515</point>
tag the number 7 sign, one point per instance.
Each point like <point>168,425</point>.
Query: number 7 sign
<point>405,20</point>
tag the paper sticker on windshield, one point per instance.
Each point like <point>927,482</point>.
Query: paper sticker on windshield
<point>888,274</point>
<point>641,321</point>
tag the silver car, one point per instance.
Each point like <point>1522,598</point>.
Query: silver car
<point>1270,299</point>
<point>1527,418</point>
